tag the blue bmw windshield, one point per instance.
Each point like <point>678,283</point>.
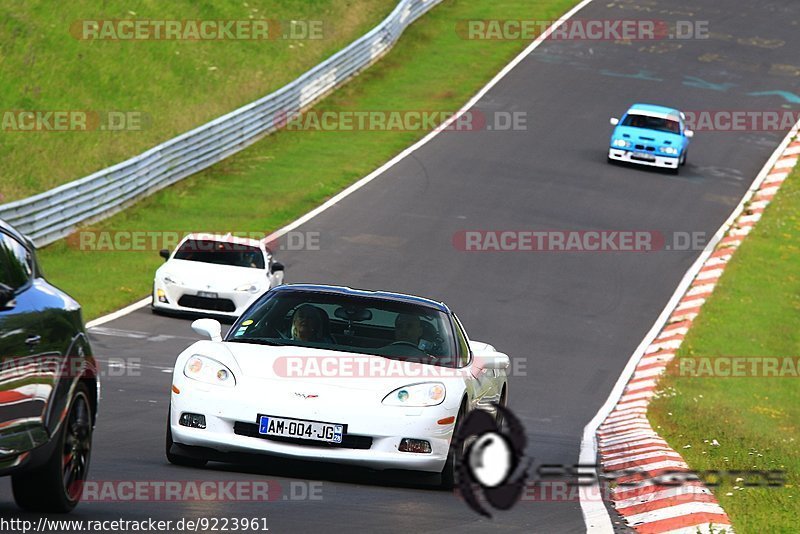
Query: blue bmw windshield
<point>652,123</point>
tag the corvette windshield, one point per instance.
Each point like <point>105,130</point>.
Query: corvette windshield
<point>388,328</point>
<point>652,123</point>
<point>221,253</point>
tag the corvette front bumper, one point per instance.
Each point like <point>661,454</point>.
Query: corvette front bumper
<point>226,410</point>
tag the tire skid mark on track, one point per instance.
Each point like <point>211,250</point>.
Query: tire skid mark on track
<point>628,441</point>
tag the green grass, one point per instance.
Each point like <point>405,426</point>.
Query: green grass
<point>288,173</point>
<point>176,85</point>
<point>754,311</point>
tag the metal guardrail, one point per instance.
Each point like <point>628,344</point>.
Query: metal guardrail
<point>56,213</point>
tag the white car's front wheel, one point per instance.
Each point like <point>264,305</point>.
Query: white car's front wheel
<point>456,452</point>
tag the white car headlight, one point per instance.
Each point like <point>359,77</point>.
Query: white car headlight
<point>252,287</point>
<point>621,143</point>
<point>669,150</point>
<point>208,370</point>
<point>425,394</point>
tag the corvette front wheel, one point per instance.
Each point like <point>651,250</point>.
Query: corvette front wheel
<point>449,476</point>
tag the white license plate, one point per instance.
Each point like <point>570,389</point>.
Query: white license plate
<point>207,294</point>
<point>645,156</point>
<point>301,429</point>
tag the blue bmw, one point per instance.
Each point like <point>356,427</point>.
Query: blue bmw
<point>650,135</point>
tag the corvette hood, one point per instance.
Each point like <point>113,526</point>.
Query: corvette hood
<point>209,276</point>
<point>647,137</point>
<point>320,370</point>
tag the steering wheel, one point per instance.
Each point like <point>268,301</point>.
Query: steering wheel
<point>406,343</point>
<point>419,350</point>
<point>271,331</point>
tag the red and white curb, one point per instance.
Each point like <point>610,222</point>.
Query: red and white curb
<point>625,439</point>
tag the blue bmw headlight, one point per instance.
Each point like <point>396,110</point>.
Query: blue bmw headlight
<point>671,150</point>
<point>621,143</point>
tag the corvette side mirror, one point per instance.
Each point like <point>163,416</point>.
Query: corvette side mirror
<point>614,121</point>
<point>491,360</point>
<point>208,327</point>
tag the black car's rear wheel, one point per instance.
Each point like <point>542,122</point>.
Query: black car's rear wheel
<point>57,485</point>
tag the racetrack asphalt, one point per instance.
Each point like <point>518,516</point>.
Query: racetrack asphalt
<point>573,318</point>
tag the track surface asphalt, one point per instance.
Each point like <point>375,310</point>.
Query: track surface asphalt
<point>575,317</point>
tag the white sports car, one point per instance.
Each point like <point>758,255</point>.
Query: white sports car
<point>335,374</point>
<point>214,275</point>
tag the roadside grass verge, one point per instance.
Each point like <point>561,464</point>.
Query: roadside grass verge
<point>754,311</point>
<point>290,172</point>
<point>175,85</point>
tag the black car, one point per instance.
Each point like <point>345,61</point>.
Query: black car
<point>48,383</point>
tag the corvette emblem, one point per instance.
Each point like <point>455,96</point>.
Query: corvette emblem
<point>306,395</point>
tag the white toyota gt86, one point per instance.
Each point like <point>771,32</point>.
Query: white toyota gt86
<point>214,275</point>
<point>334,374</point>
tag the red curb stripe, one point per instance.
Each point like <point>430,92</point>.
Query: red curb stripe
<point>666,503</point>
<point>7,397</point>
<point>674,456</point>
<point>691,520</point>
<point>647,475</point>
<point>646,490</point>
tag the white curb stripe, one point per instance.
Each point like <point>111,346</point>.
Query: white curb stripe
<point>678,510</point>
<point>661,495</point>
<point>643,456</point>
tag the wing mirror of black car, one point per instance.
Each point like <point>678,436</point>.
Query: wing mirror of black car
<point>164,253</point>
<point>6,296</point>
<point>275,267</point>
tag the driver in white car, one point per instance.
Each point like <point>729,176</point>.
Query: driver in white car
<point>307,324</point>
<point>408,328</point>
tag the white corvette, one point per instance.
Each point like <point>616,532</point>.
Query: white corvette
<point>214,275</point>
<point>333,374</point>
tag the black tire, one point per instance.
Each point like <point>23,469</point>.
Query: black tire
<point>683,157</point>
<point>449,472</point>
<point>56,486</point>
<point>503,402</point>
<point>177,459</point>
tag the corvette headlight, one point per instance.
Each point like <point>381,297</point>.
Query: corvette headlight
<point>251,287</point>
<point>208,370</point>
<point>622,143</point>
<point>669,150</point>
<point>425,394</point>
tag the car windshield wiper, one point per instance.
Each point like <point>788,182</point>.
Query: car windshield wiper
<point>259,341</point>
